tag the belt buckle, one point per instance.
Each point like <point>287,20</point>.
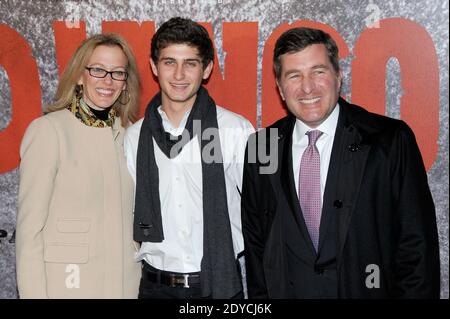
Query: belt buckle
<point>174,281</point>
<point>186,282</point>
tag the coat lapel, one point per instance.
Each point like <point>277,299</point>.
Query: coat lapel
<point>329,196</point>
<point>349,180</point>
<point>116,128</point>
<point>349,163</point>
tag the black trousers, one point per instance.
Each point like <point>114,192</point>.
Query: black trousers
<point>149,289</point>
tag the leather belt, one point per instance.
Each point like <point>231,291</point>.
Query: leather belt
<point>169,278</point>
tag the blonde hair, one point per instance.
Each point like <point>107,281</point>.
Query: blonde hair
<point>68,87</point>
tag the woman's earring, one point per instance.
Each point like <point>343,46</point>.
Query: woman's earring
<point>127,97</point>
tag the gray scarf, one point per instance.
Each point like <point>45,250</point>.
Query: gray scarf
<point>219,275</point>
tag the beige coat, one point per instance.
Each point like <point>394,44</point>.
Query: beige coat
<point>74,223</point>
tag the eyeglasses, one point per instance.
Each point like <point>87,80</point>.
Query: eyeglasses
<point>100,73</point>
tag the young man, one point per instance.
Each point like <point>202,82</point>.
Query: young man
<point>186,157</point>
<point>348,212</point>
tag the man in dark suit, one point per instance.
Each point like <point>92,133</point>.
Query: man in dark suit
<point>347,211</point>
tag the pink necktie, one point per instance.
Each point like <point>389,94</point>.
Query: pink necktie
<point>309,187</point>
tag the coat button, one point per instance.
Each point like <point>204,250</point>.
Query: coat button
<point>337,204</point>
<point>146,232</point>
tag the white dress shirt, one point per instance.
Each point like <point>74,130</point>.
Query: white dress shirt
<point>324,145</point>
<point>180,189</point>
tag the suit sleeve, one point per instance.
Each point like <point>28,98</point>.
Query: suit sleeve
<point>252,228</point>
<point>38,168</point>
<point>417,254</point>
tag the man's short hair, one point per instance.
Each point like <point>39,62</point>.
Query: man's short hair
<point>183,31</point>
<point>297,39</point>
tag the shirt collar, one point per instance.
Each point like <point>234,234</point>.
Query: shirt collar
<point>168,127</point>
<point>328,127</point>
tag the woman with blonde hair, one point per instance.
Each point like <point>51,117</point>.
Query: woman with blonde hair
<point>74,223</point>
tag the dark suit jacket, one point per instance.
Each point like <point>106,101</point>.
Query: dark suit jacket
<point>376,187</point>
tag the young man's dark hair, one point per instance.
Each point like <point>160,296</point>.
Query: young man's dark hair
<point>183,31</point>
<point>297,39</point>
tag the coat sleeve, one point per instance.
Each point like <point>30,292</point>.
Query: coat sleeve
<point>417,254</point>
<point>38,168</point>
<point>252,228</point>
